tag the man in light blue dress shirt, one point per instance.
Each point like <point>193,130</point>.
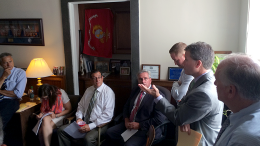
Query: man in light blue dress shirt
<point>180,88</point>
<point>12,82</point>
<point>238,86</point>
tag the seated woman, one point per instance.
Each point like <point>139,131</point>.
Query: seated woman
<point>56,102</point>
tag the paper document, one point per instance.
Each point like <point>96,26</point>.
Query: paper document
<point>128,133</point>
<point>25,106</point>
<point>188,140</point>
<point>73,130</point>
<point>38,125</point>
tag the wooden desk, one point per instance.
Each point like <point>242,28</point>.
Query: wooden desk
<point>20,123</point>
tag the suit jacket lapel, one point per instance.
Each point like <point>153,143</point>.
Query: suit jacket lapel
<point>145,98</point>
<point>200,81</point>
<point>132,102</point>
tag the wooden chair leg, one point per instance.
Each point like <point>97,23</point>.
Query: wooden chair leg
<point>99,133</point>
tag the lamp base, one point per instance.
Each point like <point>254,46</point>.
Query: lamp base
<point>38,85</point>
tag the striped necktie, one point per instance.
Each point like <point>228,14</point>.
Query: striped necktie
<point>134,111</point>
<point>223,128</point>
<point>3,87</point>
<point>90,106</point>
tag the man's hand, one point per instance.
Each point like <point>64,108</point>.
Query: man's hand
<point>154,92</point>
<point>185,128</point>
<point>84,129</point>
<point>179,82</point>
<point>78,120</point>
<point>6,73</point>
<point>134,125</point>
<point>127,123</point>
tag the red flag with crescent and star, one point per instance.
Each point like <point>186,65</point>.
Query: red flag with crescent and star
<point>98,33</point>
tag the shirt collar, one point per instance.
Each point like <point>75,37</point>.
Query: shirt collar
<point>250,109</point>
<point>196,79</point>
<point>99,89</point>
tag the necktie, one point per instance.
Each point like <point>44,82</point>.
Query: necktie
<point>3,87</point>
<point>90,106</point>
<point>191,84</point>
<point>134,111</point>
<point>223,128</point>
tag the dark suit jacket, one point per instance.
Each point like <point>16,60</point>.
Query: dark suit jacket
<point>146,114</point>
<point>200,108</point>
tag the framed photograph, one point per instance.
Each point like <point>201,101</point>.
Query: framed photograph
<point>154,69</point>
<point>174,73</point>
<point>28,32</point>
<point>114,65</point>
<point>124,70</point>
<point>103,66</point>
<point>125,63</point>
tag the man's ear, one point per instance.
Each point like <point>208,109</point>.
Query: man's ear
<point>198,63</point>
<point>232,91</point>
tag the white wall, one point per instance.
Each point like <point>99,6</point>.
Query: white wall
<point>50,12</point>
<point>164,23</point>
<point>221,23</point>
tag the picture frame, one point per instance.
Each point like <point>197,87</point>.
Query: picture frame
<point>114,65</point>
<point>125,71</point>
<point>154,70</point>
<point>125,63</point>
<point>27,32</point>
<point>102,66</point>
<point>174,73</point>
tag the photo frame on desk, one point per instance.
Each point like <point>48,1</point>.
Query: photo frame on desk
<point>124,70</point>
<point>154,70</point>
<point>27,32</point>
<point>114,65</point>
<point>174,73</point>
<point>102,66</point>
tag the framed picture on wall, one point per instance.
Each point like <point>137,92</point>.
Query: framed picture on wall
<point>154,70</point>
<point>27,32</point>
<point>103,66</point>
<point>174,73</point>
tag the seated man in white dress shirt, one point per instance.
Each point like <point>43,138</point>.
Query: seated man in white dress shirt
<point>180,87</point>
<point>95,108</point>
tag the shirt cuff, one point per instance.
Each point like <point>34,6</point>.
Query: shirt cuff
<point>92,126</point>
<point>158,98</point>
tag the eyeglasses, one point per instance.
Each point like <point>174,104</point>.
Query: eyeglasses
<point>95,78</point>
<point>141,79</point>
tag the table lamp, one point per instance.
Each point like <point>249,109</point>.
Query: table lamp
<point>38,68</point>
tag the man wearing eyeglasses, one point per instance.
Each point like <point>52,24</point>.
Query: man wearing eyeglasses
<point>139,113</point>
<point>96,107</point>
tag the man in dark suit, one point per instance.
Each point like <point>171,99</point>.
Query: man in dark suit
<point>200,109</point>
<point>139,113</point>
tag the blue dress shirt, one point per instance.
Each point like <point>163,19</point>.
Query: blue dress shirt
<point>244,129</point>
<point>16,82</point>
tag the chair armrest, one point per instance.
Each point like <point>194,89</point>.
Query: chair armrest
<point>118,119</point>
<point>68,120</point>
<point>164,123</point>
<point>102,125</point>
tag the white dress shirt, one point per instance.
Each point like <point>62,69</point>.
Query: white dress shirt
<point>103,110</point>
<point>179,91</point>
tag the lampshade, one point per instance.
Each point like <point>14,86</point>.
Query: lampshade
<point>38,68</point>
